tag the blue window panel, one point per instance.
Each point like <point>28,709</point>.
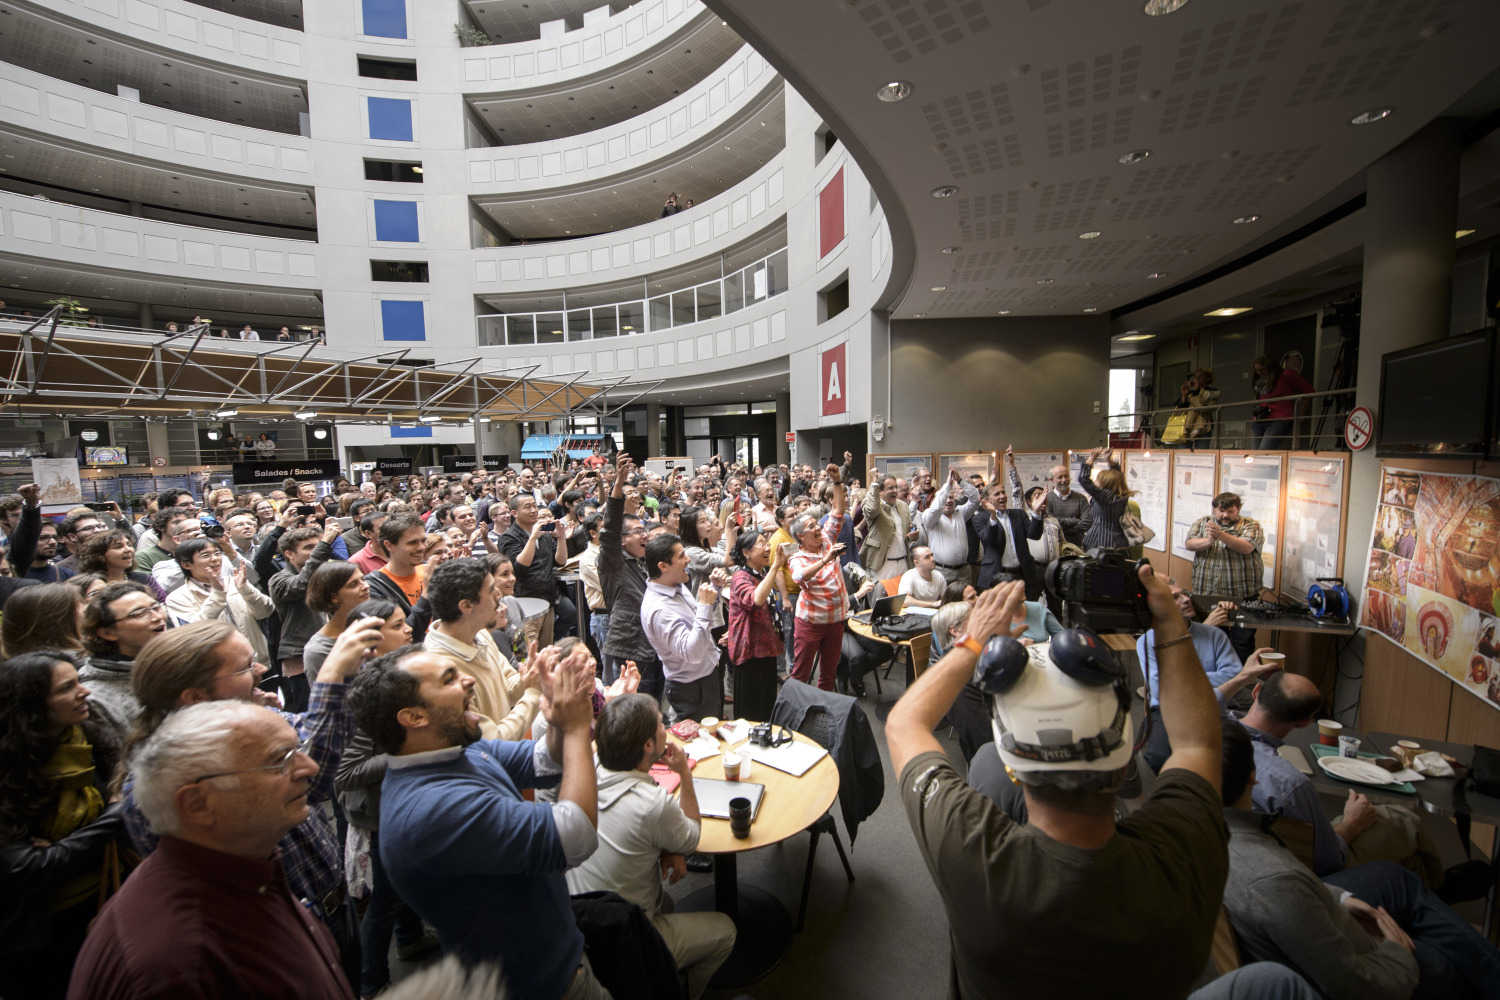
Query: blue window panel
<point>411,432</point>
<point>386,18</point>
<point>402,321</point>
<point>396,221</point>
<point>390,118</point>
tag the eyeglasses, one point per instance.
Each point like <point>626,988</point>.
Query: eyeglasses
<point>140,613</point>
<point>284,765</point>
<point>634,531</point>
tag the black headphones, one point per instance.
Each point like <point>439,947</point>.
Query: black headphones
<point>1078,652</point>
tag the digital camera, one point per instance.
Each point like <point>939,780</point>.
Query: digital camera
<point>1102,591</point>
<point>765,735</point>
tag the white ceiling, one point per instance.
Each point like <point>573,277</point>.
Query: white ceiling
<point>30,39</point>
<point>1027,107</point>
<point>624,92</point>
<point>715,164</point>
<point>507,21</point>
<point>117,176</point>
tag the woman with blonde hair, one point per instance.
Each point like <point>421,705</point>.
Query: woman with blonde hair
<point>1109,496</point>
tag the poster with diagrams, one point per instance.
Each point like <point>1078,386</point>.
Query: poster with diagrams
<point>1257,480</point>
<point>1149,474</point>
<point>1314,523</point>
<point>1194,483</point>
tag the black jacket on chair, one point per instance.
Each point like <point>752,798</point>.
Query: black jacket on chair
<point>627,954</point>
<point>851,744</point>
<point>992,536</point>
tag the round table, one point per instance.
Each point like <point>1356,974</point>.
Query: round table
<point>789,806</point>
<point>533,607</point>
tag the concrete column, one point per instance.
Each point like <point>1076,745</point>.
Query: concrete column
<point>156,441</point>
<point>147,319</point>
<point>1406,295</point>
<point>783,424</point>
<point>653,430</point>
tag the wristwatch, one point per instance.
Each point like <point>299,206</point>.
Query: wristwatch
<point>970,643</point>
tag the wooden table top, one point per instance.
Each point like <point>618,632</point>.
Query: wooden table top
<point>790,804</point>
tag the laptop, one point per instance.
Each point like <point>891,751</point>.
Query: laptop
<point>885,607</point>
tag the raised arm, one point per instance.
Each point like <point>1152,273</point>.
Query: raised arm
<point>1189,710</point>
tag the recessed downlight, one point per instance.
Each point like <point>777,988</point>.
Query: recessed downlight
<point>939,288</point>
<point>1160,8</point>
<point>1092,309</point>
<point>1045,281</point>
<point>1134,156</point>
<point>1092,234</point>
<point>918,315</point>
<point>1136,336</point>
<point>895,90</point>
<point>950,249</point>
<point>1157,274</point>
<point>1004,312</point>
<point>946,191</point>
<point>1373,115</point>
<point>1246,219</point>
<point>1229,311</point>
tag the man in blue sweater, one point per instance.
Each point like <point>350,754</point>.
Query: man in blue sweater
<point>478,862</point>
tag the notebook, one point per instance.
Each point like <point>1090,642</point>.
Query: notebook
<point>794,758</point>
<point>714,795</point>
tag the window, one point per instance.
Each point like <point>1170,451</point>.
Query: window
<point>834,299</point>
<point>393,170</point>
<point>387,69</point>
<point>398,270</point>
<point>390,118</point>
<point>402,320</point>
<point>384,18</point>
<point>396,221</point>
<point>1122,388</point>
<point>823,142</point>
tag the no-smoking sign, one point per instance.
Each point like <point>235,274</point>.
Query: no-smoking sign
<point>1359,428</point>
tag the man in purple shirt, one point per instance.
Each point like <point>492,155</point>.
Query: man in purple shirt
<point>222,782</point>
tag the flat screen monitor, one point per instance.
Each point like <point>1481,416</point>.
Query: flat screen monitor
<point>1435,398</point>
<point>105,456</point>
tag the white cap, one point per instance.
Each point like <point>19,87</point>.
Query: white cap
<point>1047,721</point>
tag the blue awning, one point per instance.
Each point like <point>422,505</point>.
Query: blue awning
<point>544,446</point>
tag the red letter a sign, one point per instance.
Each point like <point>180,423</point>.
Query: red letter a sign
<point>834,380</point>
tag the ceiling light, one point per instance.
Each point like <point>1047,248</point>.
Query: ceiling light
<point>1157,274</point>
<point>1158,8</point>
<point>1045,281</point>
<point>485,420</point>
<point>950,249</point>
<point>1092,309</point>
<point>305,414</point>
<point>1136,336</point>
<point>1092,234</point>
<point>918,315</point>
<point>416,170</point>
<point>1229,311</point>
<point>1242,220</point>
<point>946,191</point>
<point>226,413</point>
<point>430,420</point>
<point>1373,115</point>
<point>896,90</point>
<point>1134,156</point>
<point>939,288</point>
<point>1464,232</point>
<point>1004,312</point>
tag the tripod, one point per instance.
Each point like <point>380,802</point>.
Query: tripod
<point>1344,366</point>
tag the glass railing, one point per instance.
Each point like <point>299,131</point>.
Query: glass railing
<point>761,280</point>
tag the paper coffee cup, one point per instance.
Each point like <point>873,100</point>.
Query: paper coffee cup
<point>709,724</point>
<point>1409,744</point>
<point>1276,659</point>
<point>1329,732</point>
<point>731,767</point>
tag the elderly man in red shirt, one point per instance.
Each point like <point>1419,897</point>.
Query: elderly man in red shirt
<point>222,782</point>
<point>823,603</point>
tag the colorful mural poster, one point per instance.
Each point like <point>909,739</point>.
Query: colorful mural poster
<point>1432,584</point>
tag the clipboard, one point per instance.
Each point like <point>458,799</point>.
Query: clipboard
<point>714,795</point>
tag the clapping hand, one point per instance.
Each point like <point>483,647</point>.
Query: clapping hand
<point>353,647</point>
<point>629,682</point>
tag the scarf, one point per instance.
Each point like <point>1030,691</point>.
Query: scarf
<point>79,802</point>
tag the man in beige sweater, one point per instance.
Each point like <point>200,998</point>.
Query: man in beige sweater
<point>465,606</point>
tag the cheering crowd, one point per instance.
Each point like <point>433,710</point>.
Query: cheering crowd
<point>248,746</point>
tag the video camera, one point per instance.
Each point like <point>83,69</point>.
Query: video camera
<point>1102,591</point>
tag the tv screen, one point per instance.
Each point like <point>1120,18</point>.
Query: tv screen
<point>1435,398</point>
<point>105,456</point>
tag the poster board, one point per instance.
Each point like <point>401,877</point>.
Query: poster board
<point>901,466</point>
<point>1194,483</point>
<point>1150,475</point>
<point>1035,467</point>
<point>1257,479</point>
<point>58,483</point>
<point>1312,544</point>
<point>1430,583</point>
<point>982,462</point>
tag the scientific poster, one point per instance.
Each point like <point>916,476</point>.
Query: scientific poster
<point>1432,584</point>
<point>58,480</point>
<point>1314,517</point>
<point>1149,474</point>
<point>1194,484</point>
<point>1257,479</point>
<point>901,466</point>
<point>1035,467</point>
<point>981,462</point>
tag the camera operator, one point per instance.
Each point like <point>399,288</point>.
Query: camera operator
<point>1023,902</point>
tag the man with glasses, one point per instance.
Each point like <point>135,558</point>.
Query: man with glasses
<point>211,911</point>
<point>117,623</point>
<point>212,662</point>
<point>77,528</point>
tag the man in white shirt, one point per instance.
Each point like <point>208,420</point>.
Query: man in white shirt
<point>947,524</point>
<point>765,511</point>
<point>680,629</point>
<point>923,584</point>
<point>644,834</point>
<point>248,333</point>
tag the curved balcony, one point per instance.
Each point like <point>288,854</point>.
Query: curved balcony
<point>73,113</point>
<point>595,48</point>
<point>192,29</point>
<point>701,232</point>
<point>53,231</point>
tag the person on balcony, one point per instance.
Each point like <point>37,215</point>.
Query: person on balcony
<point>1271,421</point>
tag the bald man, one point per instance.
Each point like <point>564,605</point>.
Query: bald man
<point>1070,507</point>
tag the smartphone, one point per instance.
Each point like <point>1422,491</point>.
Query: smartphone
<point>99,506</point>
<point>345,523</point>
<point>306,508</point>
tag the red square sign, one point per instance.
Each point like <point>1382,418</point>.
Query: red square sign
<point>834,381</point>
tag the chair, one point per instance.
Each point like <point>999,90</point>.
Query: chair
<point>818,727</point>
<point>891,586</point>
<point>918,649</point>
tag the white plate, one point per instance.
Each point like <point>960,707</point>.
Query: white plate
<point>1352,769</point>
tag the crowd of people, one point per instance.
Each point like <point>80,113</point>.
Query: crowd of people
<point>251,746</point>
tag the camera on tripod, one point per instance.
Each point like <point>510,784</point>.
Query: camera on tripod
<point>1102,591</point>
